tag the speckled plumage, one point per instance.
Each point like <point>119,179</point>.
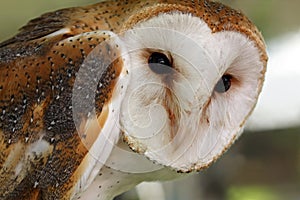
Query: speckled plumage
<point>37,98</point>
<point>37,74</point>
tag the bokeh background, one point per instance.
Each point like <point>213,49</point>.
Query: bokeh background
<point>264,164</point>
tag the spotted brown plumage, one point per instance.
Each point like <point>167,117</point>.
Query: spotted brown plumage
<point>36,101</point>
<point>44,145</point>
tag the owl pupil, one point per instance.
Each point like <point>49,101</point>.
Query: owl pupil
<point>159,63</point>
<point>223,84</point>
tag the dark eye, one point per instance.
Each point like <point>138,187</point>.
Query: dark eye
<point>223,84</point>
<point>159,63</point>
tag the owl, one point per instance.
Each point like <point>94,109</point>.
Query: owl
<point>96,99</point>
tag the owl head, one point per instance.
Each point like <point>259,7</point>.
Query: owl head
<point>186,77</point>
<point>192,75</point>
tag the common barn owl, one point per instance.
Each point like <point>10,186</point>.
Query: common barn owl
<point>96,99</point>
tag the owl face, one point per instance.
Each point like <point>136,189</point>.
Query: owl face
<point>190,90</point>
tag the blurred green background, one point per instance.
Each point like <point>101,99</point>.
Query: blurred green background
<point>261,165</point>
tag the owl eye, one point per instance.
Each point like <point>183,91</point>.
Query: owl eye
<point>159,63</point>
<point>223,84</point>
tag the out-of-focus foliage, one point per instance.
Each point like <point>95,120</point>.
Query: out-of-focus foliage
<point>252,193</point>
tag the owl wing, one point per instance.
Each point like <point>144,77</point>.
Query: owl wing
<point>73,21</point>
<point>59,93</point>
